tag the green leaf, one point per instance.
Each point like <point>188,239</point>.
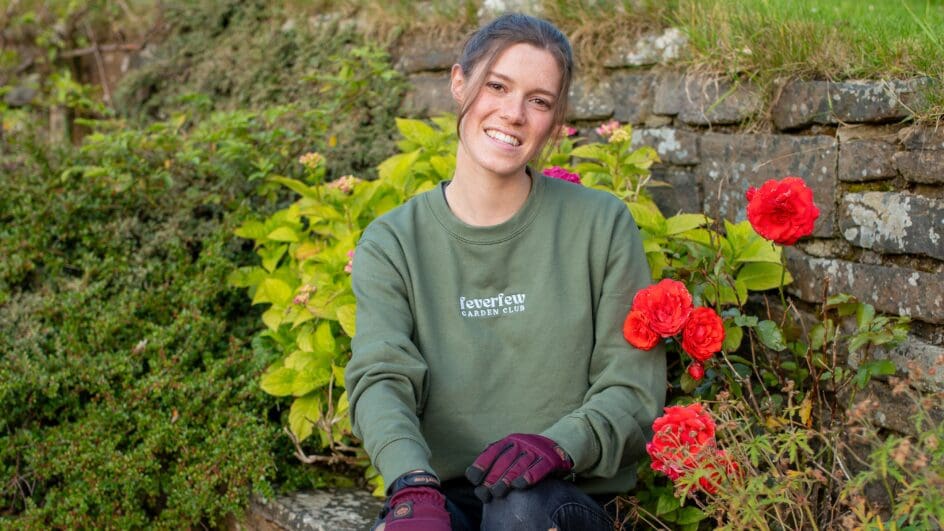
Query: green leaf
<point>667,503</point>
<point>685,222</point>
<point>315,375</point>
<point>760,250</point>
<point>396,168</point>
<point>771,336</point>
<point>324,339</point>
<point>283,234</point>
<point>278,382</point>
<point>305,411</point>
<point>690,515</point>
<point>732,338</point>
<point>251,230</point>
<point>746,320</point>
<point>883,367</point>
<point>273,316</point>
<point>346,316</point>
<point>417,131</point>
<point>817,337</point>
<point>444,166</point>
<point>271,256</point>
<point>296,186</point>
<point>648,217</point>
<point>865,313</point>
<point>592,151</point>
<point>299,359</point>
<point>273,290</point>
<point>760,276</point>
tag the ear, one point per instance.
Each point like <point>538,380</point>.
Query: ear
<point>457,83</point>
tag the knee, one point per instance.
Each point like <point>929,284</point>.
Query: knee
<point>520,509</point>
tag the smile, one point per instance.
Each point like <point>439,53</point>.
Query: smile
<point>502,137</point>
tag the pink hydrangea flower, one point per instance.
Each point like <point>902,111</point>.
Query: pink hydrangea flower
<point>556,172</point>
<point>350,262</point>
<point>567,131</point>
<point>608,128</point>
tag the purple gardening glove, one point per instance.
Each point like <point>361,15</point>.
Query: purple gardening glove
<point>516,462</point>
<point>416,504</point>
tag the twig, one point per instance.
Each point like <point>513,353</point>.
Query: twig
<point>101,48</point>
<point>99,62</point>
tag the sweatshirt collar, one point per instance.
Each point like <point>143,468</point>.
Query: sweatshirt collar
<point>436,200</point>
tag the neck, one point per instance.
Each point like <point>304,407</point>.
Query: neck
<point>481,199</point>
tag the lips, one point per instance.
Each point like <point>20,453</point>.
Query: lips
<point>503,137</point>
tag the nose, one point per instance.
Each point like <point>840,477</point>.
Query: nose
<point>513,110</point>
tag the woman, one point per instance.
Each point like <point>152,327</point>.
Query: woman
<point>489,310</point>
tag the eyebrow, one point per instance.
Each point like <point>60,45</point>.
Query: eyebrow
<point>503,77</point>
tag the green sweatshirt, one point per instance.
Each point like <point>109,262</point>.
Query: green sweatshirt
<point>467,334</point>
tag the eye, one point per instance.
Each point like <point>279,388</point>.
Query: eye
<point>541,102</point>
<point>495,85</point>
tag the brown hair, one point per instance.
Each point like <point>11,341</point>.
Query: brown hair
<point>485,45</point>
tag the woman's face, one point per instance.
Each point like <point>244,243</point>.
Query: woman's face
<point>513,113</point>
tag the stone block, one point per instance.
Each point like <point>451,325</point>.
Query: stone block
<point>890,411</point>
<point>708,101</point>
<point>730,164</point>
<point>674,146</point>
<point>591,100</point>
<point>669,93</point>
<point>926,167</point>
<point>803,103</point>
<point>648,50</point>
<point>922,137</point>
<point>632,96</point>
<point>683,194</point>
<point>428,95</point>
<point>894,222</point>
<point>863,160</point>
<point>920,361</point>
<point>322,510</point>
<point>893,290</point>
<point>428,55</point>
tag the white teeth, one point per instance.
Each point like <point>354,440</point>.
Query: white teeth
<point>498,135</point>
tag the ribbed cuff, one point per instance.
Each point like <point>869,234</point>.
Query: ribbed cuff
<point>399,457</point>
<point>574,435</point>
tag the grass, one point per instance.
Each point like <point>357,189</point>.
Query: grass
<point>764,40</point>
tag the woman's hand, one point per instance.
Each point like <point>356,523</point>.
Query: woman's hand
<point>516,462</point>
<point>415,504</point>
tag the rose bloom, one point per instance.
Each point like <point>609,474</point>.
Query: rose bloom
<point>556,172</point>
<point>719,461</point>
<point>782,211</point>
<point>703,334</point>
<point>636,330</point>
<point>680,436</point>
<point>667,305</point>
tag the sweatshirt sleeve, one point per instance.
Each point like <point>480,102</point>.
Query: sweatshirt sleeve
<point>386,377</point>
<point>627,385</point>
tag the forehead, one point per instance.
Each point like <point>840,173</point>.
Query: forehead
<point>529,66</point>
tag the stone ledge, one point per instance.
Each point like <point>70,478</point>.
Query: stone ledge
<point>322,510</point>
<point>803,103</point>
<point>892,290</point>
<point>893,222</point>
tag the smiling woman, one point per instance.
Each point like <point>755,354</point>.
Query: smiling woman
<point>490,380</point>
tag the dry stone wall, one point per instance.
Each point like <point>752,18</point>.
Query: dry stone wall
<point>877,178</point>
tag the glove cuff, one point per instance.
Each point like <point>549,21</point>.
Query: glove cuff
<point>415,479</point>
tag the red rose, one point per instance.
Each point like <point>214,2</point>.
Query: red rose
<point>712,480</point>
<point>696,370</point>
<point>680,435</point>
<point>782,211</point>
<point>636,330</point>
<point>667,305</point>
<point>703,334</point>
